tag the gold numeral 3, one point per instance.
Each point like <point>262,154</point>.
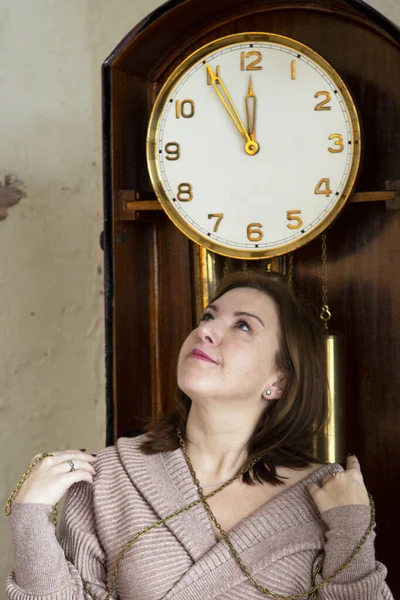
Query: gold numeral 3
<point>339,142</point>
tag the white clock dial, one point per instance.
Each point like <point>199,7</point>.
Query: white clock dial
<point>253,145</point>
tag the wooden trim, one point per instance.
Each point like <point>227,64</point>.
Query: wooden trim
<point>129,207</point>
<point>372,196</point>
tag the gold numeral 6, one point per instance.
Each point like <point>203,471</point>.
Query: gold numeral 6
<point>293,215</point>
<point>254,233</point>
<point>185,192</point>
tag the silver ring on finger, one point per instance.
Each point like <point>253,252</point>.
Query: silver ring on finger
<point>73,467</point>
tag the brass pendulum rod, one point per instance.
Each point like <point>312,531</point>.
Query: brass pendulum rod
<point>205,278</point>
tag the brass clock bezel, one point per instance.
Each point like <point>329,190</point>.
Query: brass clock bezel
<point>154,124</point>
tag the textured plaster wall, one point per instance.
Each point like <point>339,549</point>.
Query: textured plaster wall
<point>51,279</point>
<point>51,265</point>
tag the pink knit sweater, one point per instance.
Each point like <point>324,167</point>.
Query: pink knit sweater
<point>181,560</point>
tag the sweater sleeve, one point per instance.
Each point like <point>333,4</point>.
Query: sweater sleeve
<point>57,566</point>
<point>363,578</point>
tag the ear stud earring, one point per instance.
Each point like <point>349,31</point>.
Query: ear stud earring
<point>267,392</point>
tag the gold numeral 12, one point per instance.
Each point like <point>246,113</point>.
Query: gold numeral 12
<point>253,65</point>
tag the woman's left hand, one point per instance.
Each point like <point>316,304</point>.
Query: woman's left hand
<point>345,487</point>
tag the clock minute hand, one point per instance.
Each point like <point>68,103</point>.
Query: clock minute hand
<point>251,119</point>
<point>251,147</point>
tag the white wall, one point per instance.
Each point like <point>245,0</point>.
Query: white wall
<point>51,280</point>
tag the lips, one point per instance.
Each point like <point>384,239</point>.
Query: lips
<point>196,353</point>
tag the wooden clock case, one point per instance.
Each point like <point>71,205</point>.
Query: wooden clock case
<point>150,285</point>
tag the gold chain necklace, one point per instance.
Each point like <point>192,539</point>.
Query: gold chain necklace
<point>312,591</point>
<point>202,500</point>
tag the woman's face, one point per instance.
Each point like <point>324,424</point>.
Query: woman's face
<point>231,354</point>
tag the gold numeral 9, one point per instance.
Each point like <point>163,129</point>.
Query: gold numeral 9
<point>185,109</point>
<point>219,217</point>
<point>253,65</point>
<point>173,151</point>
<point>293,215</point>
<point>185,192</point>
<point>320,190</point>
<point>339,142</point>
<point>254,233</point>
<point>321,105</point>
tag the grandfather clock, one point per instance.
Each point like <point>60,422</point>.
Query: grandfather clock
<point>235,133</point>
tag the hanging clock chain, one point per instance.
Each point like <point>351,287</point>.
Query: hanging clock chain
<point>290,270</point>
<point>325,312</point>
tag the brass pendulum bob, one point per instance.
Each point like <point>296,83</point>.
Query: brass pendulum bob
<point>330,444</point>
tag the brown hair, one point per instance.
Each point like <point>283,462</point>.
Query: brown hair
<point>285,431</point>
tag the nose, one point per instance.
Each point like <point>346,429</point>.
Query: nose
<point>208,331</point>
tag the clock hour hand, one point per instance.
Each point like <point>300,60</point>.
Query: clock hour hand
<point>251,147</point>
<point>251,114</point>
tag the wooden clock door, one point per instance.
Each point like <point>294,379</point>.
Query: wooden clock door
<point>153,279</point>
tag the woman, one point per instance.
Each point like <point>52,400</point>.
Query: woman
<point>252,395</point>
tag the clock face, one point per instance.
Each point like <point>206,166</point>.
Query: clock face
<point>253,145</point>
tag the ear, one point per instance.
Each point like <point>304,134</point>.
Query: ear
<point>276,389</point>
<point>279,385</point>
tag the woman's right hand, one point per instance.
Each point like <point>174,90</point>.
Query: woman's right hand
<point>52,476</point>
